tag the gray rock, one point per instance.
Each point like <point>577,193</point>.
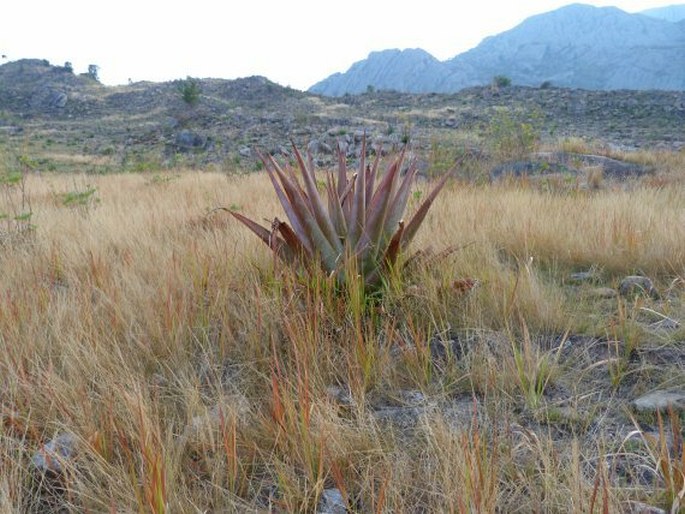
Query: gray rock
<point>331,502</point>
<point>231,406</point>
<point>602,293</point>
<point>53,455</point>
<point>665,325</point>
<point>245,151</point>
<point>49,98</point>
<point>546,163</point>
<point>413,406</point>
<point>188,140</point>
<point>527,168</point>
<point>636,285</point>
<point>340,396</point>
<point>412,398</point>
<point>583,277</point>
<point>319,147</point>
<point>643,508</point>
<point>444,346</point>
<point>359,135</point>
<point>344,146</point>
<point>661,401</point>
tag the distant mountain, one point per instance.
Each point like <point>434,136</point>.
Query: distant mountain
<point>672,13</point>
<point>412,70</point>
<point>577,46</point>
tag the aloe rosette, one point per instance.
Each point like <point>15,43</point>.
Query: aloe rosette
<point>361,217</point>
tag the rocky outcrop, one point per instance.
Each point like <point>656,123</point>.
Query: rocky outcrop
<point>34,86</point>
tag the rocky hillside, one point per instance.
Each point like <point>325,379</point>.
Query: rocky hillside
<point>577,46</point>
<point>67,122</point>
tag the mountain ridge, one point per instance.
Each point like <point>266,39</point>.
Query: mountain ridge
<point>576,46</point>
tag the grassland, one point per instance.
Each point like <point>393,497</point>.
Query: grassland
<point>197,375</point>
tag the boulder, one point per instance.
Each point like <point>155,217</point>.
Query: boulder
<point>187,140</point>
<point>636,285</point>
<point>54,455</point>
<point>331,502</point>
<point>661,400</point>
<point>316,147</point>
<point>583,277</point>
<point>49,98</point>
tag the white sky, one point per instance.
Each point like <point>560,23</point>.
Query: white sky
<point>295,42</point>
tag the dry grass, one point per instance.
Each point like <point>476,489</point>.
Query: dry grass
<point>197,376</point>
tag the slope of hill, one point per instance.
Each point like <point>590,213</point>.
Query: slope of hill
<point>142,126</point>
<point>36,85</point>
<point>576,46</point>
<point>672,13</point>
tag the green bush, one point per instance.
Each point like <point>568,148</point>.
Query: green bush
<point>511,137</point>
<point>190,90</point>
<point>501,81</point>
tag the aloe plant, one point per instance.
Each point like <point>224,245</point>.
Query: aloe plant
<point>360,219</point>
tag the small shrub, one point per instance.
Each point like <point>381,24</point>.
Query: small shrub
<point>80,198</point>
<point>190,90</point>
<point>15,203</point>
<point>510,137</point>
<point>501,81</point>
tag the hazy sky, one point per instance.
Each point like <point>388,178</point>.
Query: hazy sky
<point>295,42</point>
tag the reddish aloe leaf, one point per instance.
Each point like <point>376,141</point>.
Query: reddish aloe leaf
<point>390,257</point>
<point>390,174</point>
<point>294,190</point>
<point>394,246</point>
<point>335,209</point>
<point>295,217</point>
<point>316,204</point>
<point>378,208</point>
<point>291,239</point>
<point>275,243</point>
<point>399,202</point>
<point>420,214</point>
<point>318,240</point>
<point>355,224</point>
<point>342,173</point>
<point>349,189</point>
<point>371,178</point>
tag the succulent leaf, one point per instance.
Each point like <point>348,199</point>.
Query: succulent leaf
<point>316,204</point>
